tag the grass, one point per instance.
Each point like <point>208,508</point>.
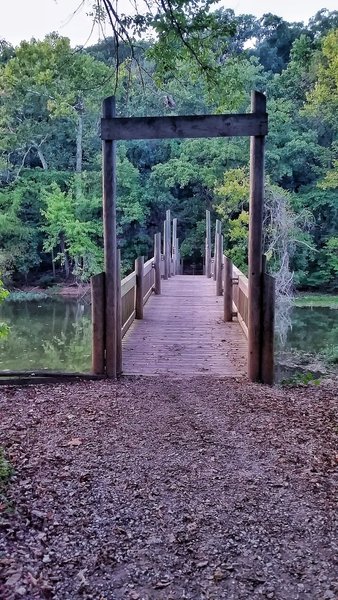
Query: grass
<point>300,378</point>
<point>5,472</point>
<point>320,300</point>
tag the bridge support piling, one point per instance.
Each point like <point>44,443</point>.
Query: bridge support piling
<point>208,245</point>
<point>98,323</point>
<point>157,263</point>
<point>218,229</point>
<point>110,246</point>
<point>168,242</point>
<point>268,327</point>
<point>219,264</point>
<point>119,366</point>
<point>257,150</point>
<point>165,276</point>
<point>174,249</point>
<point>139,271</point>
<point>227,289</point>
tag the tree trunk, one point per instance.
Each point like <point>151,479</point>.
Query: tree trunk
<point>53,264</point>
<point>79,140</point>
<point>42,158</point>
<point>79,137</point>
<point>64,253</point>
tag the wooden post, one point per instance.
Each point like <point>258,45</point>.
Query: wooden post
<point>178,258</point>
<point>257,144</point>
<point>227,289</point>
<point>208,245</point>
<point>118,316</point>
<point>157,261</point>
<point>174,256</point>
<point>98,323</point>
<point>218,229</point>
<point>268,326</point>
<point>168,242</point>
<point>165,276</point>
<point>109,228</point>
<point>219,264</point>
<point>139,270</point>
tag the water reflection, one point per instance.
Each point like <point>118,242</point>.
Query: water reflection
<point>52,334</point>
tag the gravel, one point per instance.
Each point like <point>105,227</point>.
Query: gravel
<point>161,488</point>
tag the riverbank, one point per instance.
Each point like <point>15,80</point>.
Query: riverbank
<point>154,488</point>
<point>306,300</point>
<point>28,293</point>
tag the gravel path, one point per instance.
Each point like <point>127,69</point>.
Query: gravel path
<point>158,488</point>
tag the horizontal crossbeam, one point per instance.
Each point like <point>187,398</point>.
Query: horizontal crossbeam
<point>194,126</point>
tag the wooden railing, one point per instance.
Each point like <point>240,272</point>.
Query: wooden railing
<point>236,304</point>
<point>148,279</point>
<point>129,295</point>
<point>240,298</point>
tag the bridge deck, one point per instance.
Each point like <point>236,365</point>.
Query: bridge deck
<point>183,333</point>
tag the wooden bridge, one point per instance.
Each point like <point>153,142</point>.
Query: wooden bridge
<point>185,327</point>
<point>182,324</point>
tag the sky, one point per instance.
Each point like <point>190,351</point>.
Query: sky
<point>24,19</point>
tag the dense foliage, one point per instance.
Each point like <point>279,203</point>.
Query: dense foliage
<point>50,164</point>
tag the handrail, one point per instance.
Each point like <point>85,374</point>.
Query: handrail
<point>128,293</point>
<point>127,283</point>
<point>240,298</point>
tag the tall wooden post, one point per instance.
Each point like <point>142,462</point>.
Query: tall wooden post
<point>268,326</point>
<point>257,145</point>
<point>173,249</point>
<point>219,264</point>
<point>118,316</point>
<point>218,229</point>
<point>98,323</point>
<point>139,270</point>
<point>110,251</point>
<point>208,244</point>
<point>165,276</point>
<point>168,240</point>
<point>157,261</point>
<point>227,289</point>
<point>178,258</point>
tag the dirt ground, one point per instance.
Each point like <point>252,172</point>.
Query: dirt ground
<point>156,488</point>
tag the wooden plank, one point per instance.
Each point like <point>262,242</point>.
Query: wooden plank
<point>208,244</point>
<point>183,333</point>
<point>168,242</point>
<point>128,323</point>
<point>45,378</point>
<point>257,145</point>
<point>157,262</point>
<point>173,246</point>
<point>218,229</point>
<point>109,229</point>
<point>98,323</point>
<point>127,283</point>
<point>191,126</point>
<point>268,332</point>
<point>165,249</point>
<point>147,296</point>
<point>219,265</point>
<point>227,305</point>
<point>139,266</point>
<point>118,315</point>
<point>148,266</point>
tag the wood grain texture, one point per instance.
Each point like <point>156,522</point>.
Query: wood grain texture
<point>190,126</point>
<point>183,333</point>
<point>257,153</point>
<point>98,323</point>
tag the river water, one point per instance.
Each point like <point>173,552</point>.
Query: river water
<point>55,334</point>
